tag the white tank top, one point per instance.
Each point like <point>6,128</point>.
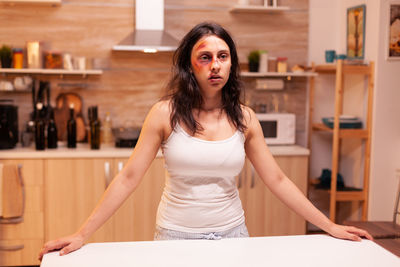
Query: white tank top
<point>200,193</point>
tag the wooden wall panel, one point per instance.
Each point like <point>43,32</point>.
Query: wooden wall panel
<point>132,81</point>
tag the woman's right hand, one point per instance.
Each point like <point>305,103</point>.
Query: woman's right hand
<point>66,244</point>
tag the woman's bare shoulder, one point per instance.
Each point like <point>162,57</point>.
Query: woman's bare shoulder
<point>161,109</point>
<point>248,115</point>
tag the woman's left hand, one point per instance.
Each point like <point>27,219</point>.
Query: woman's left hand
<point>348,232</point>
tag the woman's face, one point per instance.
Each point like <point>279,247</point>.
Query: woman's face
<point>211,63</point>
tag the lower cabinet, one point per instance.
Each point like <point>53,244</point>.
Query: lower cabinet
<point>265,214</point>
<point>73,187</point>
<point>136,218</point>
<point>21,242</point>
<point>61,194</point>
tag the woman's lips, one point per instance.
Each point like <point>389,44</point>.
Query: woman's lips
<point>215,78</point>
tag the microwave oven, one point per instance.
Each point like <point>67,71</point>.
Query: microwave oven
<point>278,128</point>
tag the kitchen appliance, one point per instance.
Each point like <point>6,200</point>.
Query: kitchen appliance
<point>149,35</point>
<point>8,124</point>
<point>126,137</point>
<point>278,128</point>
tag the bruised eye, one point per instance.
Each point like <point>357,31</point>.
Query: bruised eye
<point>204,58</point>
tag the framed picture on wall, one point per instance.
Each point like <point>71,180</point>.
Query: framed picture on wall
<point>356,32</point>
<point>393,49</point>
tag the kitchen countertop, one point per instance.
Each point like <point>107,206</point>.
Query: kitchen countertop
<point>301,250</point>
<point>84,151</point>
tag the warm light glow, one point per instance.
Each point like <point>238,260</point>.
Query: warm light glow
<point>150,50</point>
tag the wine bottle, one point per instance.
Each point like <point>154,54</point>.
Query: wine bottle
<point>39,129</point>
<point>94,129</point>
<point>71,128</point>
<point>51,132</point>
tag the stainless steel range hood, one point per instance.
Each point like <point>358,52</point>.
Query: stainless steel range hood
<point>149,35</point>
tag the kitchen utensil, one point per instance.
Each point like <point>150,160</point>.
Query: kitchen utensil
<point>126,137</point>
<point>61,115</point>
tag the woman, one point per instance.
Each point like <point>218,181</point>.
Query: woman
<point>205,134</point>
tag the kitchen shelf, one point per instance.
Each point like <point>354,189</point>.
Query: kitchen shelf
<point>35,2</point>
<point>278,74</point>
<point>340,70</point>
<point>50,71</point>
<point>348,69</point>
<point>343,133</point>
<point>258,9</point>
<point>346,195</point>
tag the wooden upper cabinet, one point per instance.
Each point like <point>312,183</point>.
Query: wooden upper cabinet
<point>30,232</point>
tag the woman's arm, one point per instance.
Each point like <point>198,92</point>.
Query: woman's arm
<point>269,171</point>
<point>124,183</point>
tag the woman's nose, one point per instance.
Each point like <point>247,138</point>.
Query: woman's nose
<point>215,64</point>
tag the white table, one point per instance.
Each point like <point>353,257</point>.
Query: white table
<point>310,250</point>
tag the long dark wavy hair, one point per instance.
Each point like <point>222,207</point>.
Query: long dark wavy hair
<point>184,91</point>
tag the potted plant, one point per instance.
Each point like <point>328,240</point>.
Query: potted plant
<point>254,60</point>
<point>5,56</point>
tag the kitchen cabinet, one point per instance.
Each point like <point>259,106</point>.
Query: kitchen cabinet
<point>136,218</point>
<point>30,232</point>
<point>72,189</point>
<point>265,214</point>
<point>74,186</point>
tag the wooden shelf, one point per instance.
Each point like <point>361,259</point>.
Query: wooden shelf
<point>339,69</point>
<point>258,9</point>
<point>278,74</point>
<point>348,69</point>
<point>50,71</point>
<point>343,133</point>
<point>345,195</point>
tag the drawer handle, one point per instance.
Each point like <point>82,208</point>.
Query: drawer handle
<point>12,248</point>
<point>107,173</point>
<point>120,166</point>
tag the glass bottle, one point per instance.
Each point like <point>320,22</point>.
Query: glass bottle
<point>71,128</point>
<point>95,130</point>
<point>39,129</point>
<point>107,136</point>
<point>51,132</point>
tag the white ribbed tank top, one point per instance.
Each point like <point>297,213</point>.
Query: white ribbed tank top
<point>200,193</point>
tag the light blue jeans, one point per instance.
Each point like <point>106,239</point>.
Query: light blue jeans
<point>166,234</point>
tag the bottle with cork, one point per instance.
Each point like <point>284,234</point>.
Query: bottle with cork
<point>71,128</point>
<point>94,128</point>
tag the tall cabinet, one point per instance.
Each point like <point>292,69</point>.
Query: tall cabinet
<point>338,134</point>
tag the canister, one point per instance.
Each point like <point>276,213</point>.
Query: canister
<point>18,58</point>
<point>33,54</point>
<point>272,64</point>
<point>282,64</point>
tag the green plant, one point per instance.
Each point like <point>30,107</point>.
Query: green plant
<point>5,51</point>
<point>5,56</point>
<point>254,56</point>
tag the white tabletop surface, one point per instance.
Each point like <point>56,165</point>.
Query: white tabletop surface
<point>310,251</point>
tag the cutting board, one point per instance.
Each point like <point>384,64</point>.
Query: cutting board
<point>61,115</point>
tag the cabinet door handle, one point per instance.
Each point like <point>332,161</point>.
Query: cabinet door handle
<point>120,166</point>
<point>252,177</point>
<point>107,173</point>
